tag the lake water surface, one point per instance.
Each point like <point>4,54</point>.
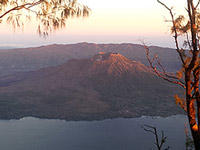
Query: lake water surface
<point>117,134</point>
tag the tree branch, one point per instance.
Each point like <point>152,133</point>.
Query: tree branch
<point>153,130</point>
<point>191,13</point>
<point>159,74</point>
<point>166,74</point>
<point>197,4</point>
<point>21,7</point>
<point>175,32</point>
<point>196,73</point>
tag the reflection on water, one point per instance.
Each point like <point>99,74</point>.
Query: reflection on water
<point>116,134</point>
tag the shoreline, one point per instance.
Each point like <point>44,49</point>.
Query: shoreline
<point>91,120</point>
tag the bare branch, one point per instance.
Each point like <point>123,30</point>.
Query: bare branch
<point>149,130</point>
<point>163,139</point>
<point>197,4</point>
<point>158,73</point>
<point>166,74</point>
<point>175,32</point>
<point>158,142</point>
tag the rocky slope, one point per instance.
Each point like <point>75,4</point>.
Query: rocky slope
<point>107,85</point>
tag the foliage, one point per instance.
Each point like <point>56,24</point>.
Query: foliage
<point>180,101</point>
<point>50,14</point>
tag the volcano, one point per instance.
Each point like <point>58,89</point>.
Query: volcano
<point>107,85</point>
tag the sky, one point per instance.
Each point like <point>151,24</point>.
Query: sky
<point>110,21</point>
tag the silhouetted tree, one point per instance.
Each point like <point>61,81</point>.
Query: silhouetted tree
<point>159,142</point>
<point>50,14</point>
<point>188,76</point>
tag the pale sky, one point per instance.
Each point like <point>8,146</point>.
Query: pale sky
<point>111,21</point>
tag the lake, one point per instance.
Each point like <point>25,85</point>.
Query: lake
<point>113,134</point>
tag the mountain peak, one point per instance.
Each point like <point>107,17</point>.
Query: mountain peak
<point>115,64</point>
<point>102,56</point>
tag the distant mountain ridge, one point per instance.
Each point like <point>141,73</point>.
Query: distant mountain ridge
<point>28,59</point>
<point>107,85</point>
<point>6,47</point>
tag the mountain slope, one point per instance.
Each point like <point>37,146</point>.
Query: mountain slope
<point>27,59</point>
<point>106,85</point>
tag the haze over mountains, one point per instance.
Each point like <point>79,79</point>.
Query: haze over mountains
<point>107,85</point>
<point>27,59</point>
